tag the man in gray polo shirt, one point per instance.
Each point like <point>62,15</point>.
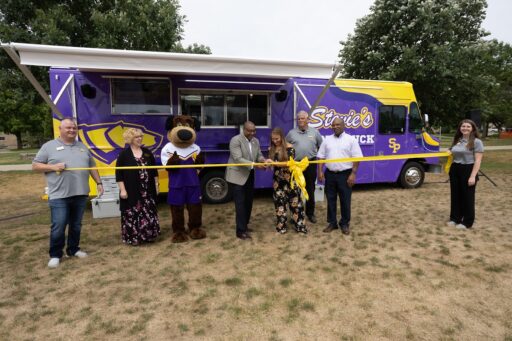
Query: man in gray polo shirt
<point>67,190</point>
<point>306,141</point>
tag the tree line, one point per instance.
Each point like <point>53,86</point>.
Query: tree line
<point>440,47</point>
<point>437,45</point>
<point>152,25</point>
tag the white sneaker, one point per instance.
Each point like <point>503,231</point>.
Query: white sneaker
<point>451,223</point>
<point>53,263</point>
<point>461,227</point>
<point>80,254</point>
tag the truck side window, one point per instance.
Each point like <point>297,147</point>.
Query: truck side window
<point>137,96</point>
<point>191,105</point>
<point>415,122</point>
<point>237,109</point>
<point>213,110</point>
<point>258,109</point>
<point>219,109</point>
<point>392,119</point>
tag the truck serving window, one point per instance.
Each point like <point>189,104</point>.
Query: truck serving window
<point>415,123</point>
<point>392,119</point>
<point>216,109</point>
<point>137,96</point>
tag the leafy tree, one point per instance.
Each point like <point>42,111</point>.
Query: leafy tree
<point>434,44</point>
<point>498,103</point>
<point>154,25</point>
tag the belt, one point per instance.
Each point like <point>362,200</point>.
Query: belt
<point>339,172</point>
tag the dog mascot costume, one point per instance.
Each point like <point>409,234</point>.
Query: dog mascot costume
<point>184,185</point>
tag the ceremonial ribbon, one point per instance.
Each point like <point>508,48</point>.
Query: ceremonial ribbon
<point>251,164</point>
<point>448,164</point>
<point>296,169</point>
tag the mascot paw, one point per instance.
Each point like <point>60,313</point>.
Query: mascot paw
<point>179,237</point>
<point>197,233</point>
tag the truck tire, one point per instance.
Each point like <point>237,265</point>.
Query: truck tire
<point>216,190</point>
<point>412,175</point>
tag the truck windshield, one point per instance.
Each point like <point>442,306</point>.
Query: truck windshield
<point>415,121</point>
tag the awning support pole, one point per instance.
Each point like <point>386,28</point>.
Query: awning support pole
<point>28,74</point>
<point>326,87</point>
<point>302,94</point>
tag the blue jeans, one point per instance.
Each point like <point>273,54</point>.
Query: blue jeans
<point>336,186</point>
<point>66,211</point>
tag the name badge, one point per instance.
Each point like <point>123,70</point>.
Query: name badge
<point>60,148</point>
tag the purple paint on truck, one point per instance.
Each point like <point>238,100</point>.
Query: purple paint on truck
<point>383,116</point>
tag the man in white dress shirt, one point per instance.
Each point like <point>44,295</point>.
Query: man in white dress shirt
<point>339,176</point>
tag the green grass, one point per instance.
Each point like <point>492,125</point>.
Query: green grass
<point>498,160</point>
<point>13,157</point>
<point>233,281</point>
<point>446,141</point>
<point>286,282</point>
<point>495,141</point>
<point>252,292</point>
<point>296,306</point>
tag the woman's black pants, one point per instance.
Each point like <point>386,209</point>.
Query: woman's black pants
<point>462,208</point>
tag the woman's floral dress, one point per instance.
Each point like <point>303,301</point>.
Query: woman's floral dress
<point>139,223</point>
<point>284,196</point>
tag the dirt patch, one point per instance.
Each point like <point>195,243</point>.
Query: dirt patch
<point>401,274</point>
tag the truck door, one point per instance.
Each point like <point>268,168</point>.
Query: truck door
<point>390,140</point>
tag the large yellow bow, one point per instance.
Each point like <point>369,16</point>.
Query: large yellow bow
<point>296,169</point>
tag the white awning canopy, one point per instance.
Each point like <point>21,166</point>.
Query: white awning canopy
<point>109,60</point>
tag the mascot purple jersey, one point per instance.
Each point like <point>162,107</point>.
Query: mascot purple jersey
<point>184,186</point>
<point>182,177</point>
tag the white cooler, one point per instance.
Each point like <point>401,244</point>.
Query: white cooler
<point>319,192</point>
<point>107,206</point>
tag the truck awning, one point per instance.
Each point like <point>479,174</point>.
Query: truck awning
<point>110,60</point>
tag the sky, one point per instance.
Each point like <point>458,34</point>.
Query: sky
<point>302,30</point>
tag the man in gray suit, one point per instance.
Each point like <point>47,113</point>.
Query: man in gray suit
<point>244,148</point>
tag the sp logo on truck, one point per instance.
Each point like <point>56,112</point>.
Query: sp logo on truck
<point>393,145</point>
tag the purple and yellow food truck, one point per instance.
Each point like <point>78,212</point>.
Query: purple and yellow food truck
<point>110,90</point>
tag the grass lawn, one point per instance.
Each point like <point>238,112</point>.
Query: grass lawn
<point>402,274</point>
<point>16,157</point>
<point>446,141</point>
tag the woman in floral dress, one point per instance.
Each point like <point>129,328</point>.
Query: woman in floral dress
<point>283,193</point>
<point>138,190</point>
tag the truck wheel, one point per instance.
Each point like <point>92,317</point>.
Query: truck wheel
<point>412,175</point>
<point>215,188</point>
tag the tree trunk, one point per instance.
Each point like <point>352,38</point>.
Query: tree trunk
<point>18,140</point>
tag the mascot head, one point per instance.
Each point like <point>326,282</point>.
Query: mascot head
<point>181,130</point>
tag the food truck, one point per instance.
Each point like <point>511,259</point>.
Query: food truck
<point>107,91</point>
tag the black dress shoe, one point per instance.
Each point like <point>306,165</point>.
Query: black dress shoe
<point>244,236</point>
<point>312,219</point>
<point>345,230</point>
<point>329,228</point>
